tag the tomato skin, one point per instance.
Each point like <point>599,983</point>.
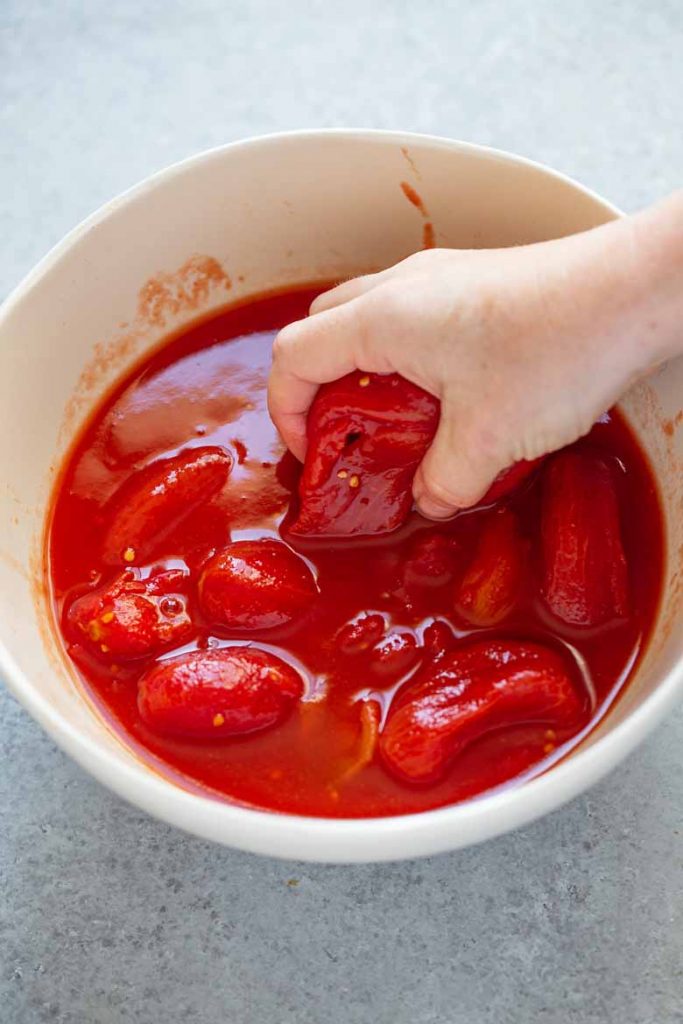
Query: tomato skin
<point>491,584</point>
<point>367,434</point>
<point>585,581</point>
<point>510,479</point>
<point>468,693</point>
<point>133,618</point>
<point>207,387</point>
<point>158,498</point>
<point>256,584</point>
<point>209,694</point>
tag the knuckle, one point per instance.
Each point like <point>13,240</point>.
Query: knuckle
<point>423,258</point>
<point>284,344</point>
<point>416,259</point>
<point>384,310</point>
<point>325,299</point>
<point>360,332</point>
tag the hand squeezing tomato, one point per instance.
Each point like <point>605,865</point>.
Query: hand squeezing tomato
<point>343,656</point>
<point>367,434</point>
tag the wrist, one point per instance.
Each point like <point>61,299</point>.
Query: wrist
<point>657,254</point>
<point>626,282</point>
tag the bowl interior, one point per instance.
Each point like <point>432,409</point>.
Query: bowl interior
<point>229,224</point>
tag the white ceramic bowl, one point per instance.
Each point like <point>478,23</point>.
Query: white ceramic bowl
<point>223,225</point>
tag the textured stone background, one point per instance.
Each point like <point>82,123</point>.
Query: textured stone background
<point>107,916</point>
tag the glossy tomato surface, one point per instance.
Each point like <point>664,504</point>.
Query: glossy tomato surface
<point>180,472</point>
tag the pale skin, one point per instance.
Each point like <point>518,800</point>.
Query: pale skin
<point>525,347</point>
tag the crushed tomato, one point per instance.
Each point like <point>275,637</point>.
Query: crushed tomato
<point>181,462</point>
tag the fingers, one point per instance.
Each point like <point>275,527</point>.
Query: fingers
<point>345,292</point>
<point>425,260</point>
<point>449,477</point>
<point>306,354</point>
<point>357,286</point>
<point>289,399</point>
<point>322,347</point>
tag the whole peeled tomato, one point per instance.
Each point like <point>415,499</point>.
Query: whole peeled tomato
<point>256,584</point>
<point>367,434</point>
<point>585,573</point>
<point>132,617</point>
<point>475,689</point>
<point>510,479</point>
<point>227,691</point>
<point>153,501</point>
<point>491,585</point>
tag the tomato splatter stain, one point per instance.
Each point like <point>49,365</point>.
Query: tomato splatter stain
<point>184,290</point>
<point>413,197</point>
<point>669,426</point>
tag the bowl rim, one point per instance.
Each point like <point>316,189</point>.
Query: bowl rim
<point>337,840</point>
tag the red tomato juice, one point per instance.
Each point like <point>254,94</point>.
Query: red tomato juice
<point>207,387</point>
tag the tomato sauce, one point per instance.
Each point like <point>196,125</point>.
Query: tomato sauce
<point>206,388</point>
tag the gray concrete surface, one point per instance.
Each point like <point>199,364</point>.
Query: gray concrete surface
<point>107,916</point>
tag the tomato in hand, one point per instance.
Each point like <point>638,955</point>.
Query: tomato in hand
<point>366,436</point>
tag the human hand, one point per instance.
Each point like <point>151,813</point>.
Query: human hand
<point>525,348</point>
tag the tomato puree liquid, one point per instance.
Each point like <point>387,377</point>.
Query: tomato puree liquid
<point>206,388</point>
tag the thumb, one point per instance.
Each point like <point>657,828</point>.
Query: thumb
<point>452,475</point>
<point>308,353</point>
